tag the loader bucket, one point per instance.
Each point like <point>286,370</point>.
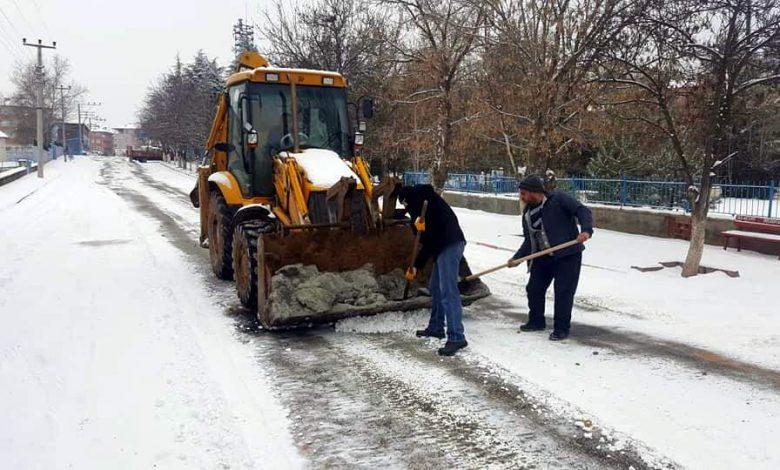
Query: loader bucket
<point>322,275</point>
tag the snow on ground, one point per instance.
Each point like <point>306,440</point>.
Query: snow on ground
<point>104,359</point>
<point>12,193</point>
<point>711,407</point>
<point>735,316</point>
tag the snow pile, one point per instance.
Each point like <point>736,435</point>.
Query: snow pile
<point>323,168</point>
<point>301,291</point>
<point>389,322</point>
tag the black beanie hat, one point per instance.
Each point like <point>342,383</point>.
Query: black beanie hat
<point>532,183</point>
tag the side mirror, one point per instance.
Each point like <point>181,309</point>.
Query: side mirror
<point>368,107</point>
<point>224,147</point>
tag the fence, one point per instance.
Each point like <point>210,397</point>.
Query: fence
<point>734,199</point>
<point>16,152</point>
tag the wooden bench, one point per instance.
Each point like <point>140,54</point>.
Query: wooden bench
<point>763,229</point>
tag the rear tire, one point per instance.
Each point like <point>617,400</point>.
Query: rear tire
<point>245,259</point>
<point>220,236</point>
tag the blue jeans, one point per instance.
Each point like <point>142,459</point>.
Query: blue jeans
<point>443,285</point>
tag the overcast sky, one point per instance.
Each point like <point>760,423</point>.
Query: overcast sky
<point>117,48</point>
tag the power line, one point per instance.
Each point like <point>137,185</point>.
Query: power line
<point>40,15</point>
<point>11,23</point>
<point>7,44</point>
<point>29,25</point>
<point>18,33</point>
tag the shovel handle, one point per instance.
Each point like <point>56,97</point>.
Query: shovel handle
<point>415,246</point>
<point>516,262</point>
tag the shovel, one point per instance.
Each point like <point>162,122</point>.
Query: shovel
<point>513,263</point>
<point>415,248</point>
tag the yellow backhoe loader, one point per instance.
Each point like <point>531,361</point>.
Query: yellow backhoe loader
<point>283,190</point>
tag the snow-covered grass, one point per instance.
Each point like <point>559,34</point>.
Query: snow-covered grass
<point>105,361</point>
<point>735,316</point>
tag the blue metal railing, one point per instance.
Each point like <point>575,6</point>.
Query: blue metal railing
<point>735,199</point>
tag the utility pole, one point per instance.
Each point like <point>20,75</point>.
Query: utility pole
<point>39,101</point>
<point>62,90</point>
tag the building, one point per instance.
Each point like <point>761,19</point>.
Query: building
<point>75,147</point>
<point>127,137</point>
<point>101,142</point>
<point>18,124</point>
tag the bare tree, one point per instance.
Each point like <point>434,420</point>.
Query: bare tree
<point>440,36</point>
<point>699,61</point>
<point>541,55</point>
<point>56,73</point>
<point>344,36</point>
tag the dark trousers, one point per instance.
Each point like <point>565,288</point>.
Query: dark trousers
<point>446,296</point>
<point>566,273</point>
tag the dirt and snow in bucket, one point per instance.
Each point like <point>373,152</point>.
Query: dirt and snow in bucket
<point>299,291</point>
<point>146,360</point>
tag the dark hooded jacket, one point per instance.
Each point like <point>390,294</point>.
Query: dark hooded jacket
<point>441,224</point>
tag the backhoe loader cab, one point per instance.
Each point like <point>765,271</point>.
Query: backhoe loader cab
<point>260,127</point>
<point>282,186</point>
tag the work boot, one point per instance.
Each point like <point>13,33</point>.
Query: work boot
<point>558,335</point>
<point>451,347</point>
<point>531,327</point>
<point>426,333</point>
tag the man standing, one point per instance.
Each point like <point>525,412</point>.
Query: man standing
<point>549,220</point>
<point>441,239</point>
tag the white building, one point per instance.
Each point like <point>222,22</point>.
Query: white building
<point>127,137</point>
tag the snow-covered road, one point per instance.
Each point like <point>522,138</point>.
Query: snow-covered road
<point>119,346</point>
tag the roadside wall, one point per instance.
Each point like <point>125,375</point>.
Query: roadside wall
<point>14,174</point>
<point>628,220</point>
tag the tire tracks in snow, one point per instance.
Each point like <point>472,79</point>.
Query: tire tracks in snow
<point>368,400</point>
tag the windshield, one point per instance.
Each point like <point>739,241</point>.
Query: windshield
<point>322,118</point>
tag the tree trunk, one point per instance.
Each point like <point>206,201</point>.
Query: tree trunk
<point>443,137</point>
<point>508,146</point>
<point>698,230</point>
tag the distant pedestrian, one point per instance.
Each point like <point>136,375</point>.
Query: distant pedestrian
<point>550,219</point>
<point>441,239</point>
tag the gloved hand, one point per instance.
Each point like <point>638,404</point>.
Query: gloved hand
<point>419,224</point>
<point>411,274</point>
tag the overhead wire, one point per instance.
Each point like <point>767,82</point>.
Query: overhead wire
<point>24,18</point>
<point>40,15</point>
<point>11,43</point>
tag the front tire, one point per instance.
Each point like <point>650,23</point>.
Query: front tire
<point>245,259</point>
<point>220,236</point>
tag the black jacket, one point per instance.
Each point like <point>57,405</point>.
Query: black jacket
<point>558,218</point>
<point>441,223</point>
